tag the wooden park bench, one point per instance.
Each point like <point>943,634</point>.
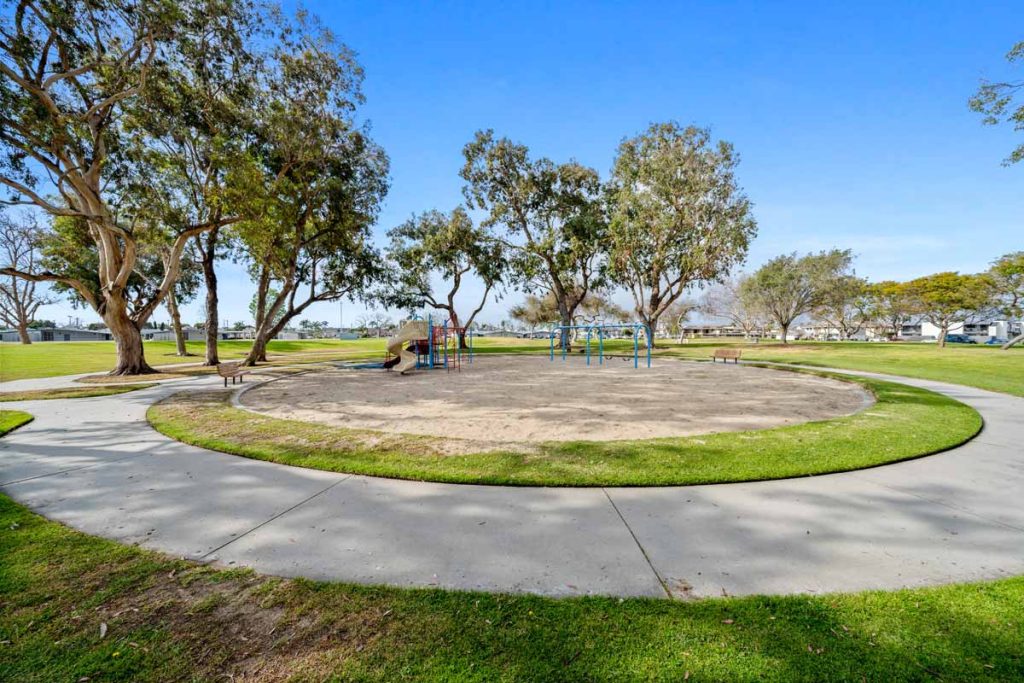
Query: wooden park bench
<point>231,370</point>
<point>726,355</point>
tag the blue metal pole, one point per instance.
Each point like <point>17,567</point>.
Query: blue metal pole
<point>650,343</point>
<point>600,345</point>
<point>636,345</point>
<point>430,342</point>
<point>589,330</point>
<point>444,336</point>
<point>563,338</point>
<point>551,338</point>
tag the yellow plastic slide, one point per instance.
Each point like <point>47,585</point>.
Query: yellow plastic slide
<point>410,331</point>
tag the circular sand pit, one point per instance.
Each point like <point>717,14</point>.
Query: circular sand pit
<point>516,399</point>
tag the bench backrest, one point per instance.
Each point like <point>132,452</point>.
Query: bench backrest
<point>727,353</point>
<point>227,369</point>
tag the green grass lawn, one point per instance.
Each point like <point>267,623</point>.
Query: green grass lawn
<point>905,422</point>
<point>12,419</point>
<point>79,608</point>
<point>70,392</point>
<point>985,367</point>
<point>51,359</point>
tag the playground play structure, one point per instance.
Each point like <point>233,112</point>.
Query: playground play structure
<point>420,344</point>
<point>599,332</point>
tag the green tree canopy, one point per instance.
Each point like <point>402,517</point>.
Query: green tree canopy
<point>998,102</point>
<point>790,286</point>
<point>319,183</point>
<point>553,225</point>
<point>449,247</point>
<point>890,304</point>
<point>677,215</point>
<point>946,299</point>
<point>78,107</point>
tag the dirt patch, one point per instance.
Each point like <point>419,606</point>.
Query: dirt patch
<point>532,399</point>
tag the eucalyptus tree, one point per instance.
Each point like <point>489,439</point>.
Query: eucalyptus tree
<point>76,82</point>
<point>1007,278</point>
<point>550,218</point>
<point>449,247</point>
<point>319,182</point>
<point>949,298</point>
<point>199,116</point>
<point>789,286</point>
<point>1000,102</point>
<point>20,299</point>
<point>678,217</point>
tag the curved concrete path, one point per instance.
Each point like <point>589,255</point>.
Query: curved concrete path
<point>96,465</point>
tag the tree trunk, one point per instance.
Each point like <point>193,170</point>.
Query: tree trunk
<point>652,325</point>
<point>131,357</point>
<point>1016,340</point>
<point>566,333</point>
<point>943,331</point>
<point>785,334</point>
<point>258,352</point>
<point>209,254</point>
<point>23,332</point>
<point>179,336</point>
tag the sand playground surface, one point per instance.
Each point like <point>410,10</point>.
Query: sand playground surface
<point>517,399</point>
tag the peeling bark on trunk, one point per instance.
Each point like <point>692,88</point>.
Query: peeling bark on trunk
<point>131,357</point>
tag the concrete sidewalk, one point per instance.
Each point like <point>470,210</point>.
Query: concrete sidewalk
<point>96,465</point>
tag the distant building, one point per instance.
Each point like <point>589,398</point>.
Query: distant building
<point>980,331</point>
<point>189,333</point>
<point>49,334</point>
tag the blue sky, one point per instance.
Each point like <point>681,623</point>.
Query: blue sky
<point>851,118</point>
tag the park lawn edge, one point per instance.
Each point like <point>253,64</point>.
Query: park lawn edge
<point>71,392</point>
<point>78,607</point>
<point>904,423</point>
<point>12,419</point>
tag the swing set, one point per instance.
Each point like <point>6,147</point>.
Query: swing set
<point>600,331</point>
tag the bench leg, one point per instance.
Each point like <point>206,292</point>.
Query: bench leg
<point>225,382</point>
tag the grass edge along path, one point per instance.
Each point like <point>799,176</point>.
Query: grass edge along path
<point>75,607</point>
<point>12,419</point>
<point>905,422</point>
<point>70,392</point>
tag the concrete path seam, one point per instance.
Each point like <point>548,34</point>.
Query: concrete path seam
<point>277,516</point>
<point>661,581</point>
